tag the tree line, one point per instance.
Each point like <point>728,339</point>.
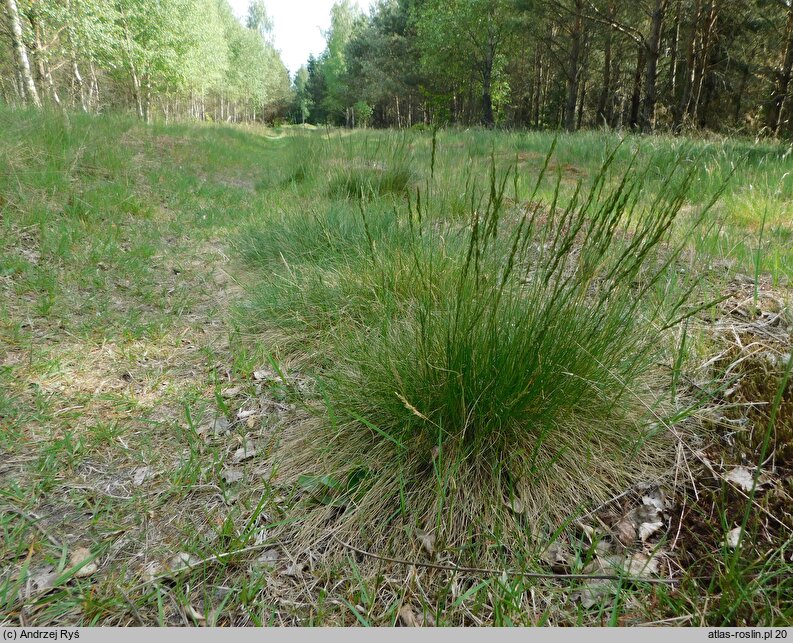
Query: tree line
<point>670,65</point>
<point>161,58</point>
<point>722,65</point>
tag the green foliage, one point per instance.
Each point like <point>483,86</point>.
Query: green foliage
<point>363,113</point>
<point>344,17</point>
<point>157,39</point>
<point>256,75</point>
<point>154,56</point>
<point>463,39</point>
<point>258,20</point>
<point>540,64</point>
<point>301,107</point>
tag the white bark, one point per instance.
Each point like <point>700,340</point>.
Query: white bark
<point>77,77</point>
<point>93,92</point>
<point>21,53</point>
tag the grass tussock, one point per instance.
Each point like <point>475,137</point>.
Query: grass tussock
<point>484,381</point>
<point>372,172</point>
<point>368,182</point>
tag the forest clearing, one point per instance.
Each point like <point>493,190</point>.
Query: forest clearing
<point>396,313</point>
<point>192,314</point>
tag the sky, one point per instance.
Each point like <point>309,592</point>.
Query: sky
<point>298,26</point>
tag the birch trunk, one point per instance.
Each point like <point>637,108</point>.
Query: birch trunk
<point>21,54</point>
<point>42,64</point>
<point>77,77</point>
<point>93,92</point>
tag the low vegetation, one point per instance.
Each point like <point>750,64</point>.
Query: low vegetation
<point>302,376</point>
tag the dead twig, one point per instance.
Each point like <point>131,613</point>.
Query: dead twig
<point>500,572</point>
<point>199,563</point>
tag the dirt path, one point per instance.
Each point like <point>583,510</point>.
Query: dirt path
<point>124,447</point>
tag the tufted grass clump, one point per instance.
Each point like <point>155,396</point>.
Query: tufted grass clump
<point>374,181</point>
<point>497,378</point>
<point>372,172</point>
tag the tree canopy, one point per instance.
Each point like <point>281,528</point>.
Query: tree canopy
<point>646,65</point>
<point>173,57</point>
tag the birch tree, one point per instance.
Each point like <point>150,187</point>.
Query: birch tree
<point>21,54</point>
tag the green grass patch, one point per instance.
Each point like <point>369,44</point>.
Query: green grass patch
<point>446,359</point>
<point>472,369</point>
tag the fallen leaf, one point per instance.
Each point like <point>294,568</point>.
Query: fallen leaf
<point>407,617</point>
<point>79,557</point>
<point>140,475</point>
<point>427,542</point>
<point>744,479</point>
<point>264,374</point>
<point>294,570</point>
<point>640,565</point>
<point>515,505</point>
<point>231,391</point>
<point>38,581</point>
<point>593,592</point>
<point>230,476</point>
<point>654,499</point>
<point>196,615</point>
<point>625,530</point>
<point>603,547</point>
<point>151,571</point>
<point>646,513</point>
<point>244,453</point>
<point>643,521</point>
<point>733,538</point>
<point>606,564</point>
<point>647,529</point>
<point>182,560</point>
<point>269,557</point>
<point>221,425</point>
<point>556,556</point>
<point>589,531</point>
<point>244,415</point>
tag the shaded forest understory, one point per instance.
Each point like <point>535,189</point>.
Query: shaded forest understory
<point>255,376</point>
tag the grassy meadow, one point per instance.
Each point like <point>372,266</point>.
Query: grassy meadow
<point>302,376</point>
